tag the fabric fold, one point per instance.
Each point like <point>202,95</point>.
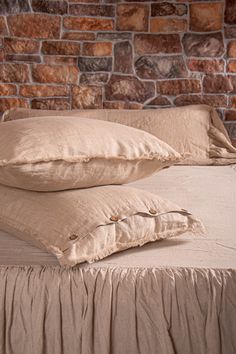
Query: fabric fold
<point>195,131</point>
<point>45,310</point>
<point>88,224</point>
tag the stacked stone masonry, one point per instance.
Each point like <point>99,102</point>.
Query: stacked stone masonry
<point>58,54</point>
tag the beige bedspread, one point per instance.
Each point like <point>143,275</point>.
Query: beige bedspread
<point>172,296</point>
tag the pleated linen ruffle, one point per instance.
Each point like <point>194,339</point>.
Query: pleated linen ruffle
<point>53,310</point>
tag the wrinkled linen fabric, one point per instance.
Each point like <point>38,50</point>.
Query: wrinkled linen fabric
<point>175,296</point>
<point>209,192</point>
<point>61,153</point>
<point>51,310</point>
<point>90,224</point>
<point>195,131</point>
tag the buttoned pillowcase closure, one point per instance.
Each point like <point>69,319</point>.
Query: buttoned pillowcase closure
<point>86,225</point>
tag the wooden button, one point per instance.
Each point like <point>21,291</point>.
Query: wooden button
<point>73,237</point>
<point>152,211</point>
<point>114,218</point>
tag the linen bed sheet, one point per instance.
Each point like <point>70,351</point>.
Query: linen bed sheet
<point>171,296</point>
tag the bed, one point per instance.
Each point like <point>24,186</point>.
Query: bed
<point>172,296</point>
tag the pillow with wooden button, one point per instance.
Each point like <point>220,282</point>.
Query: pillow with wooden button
<point>61,153</point>
<point>85,225</point>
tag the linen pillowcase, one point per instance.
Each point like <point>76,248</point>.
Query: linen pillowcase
<point>195,130</point>
<point>61,153</point>
<point>86,225</point>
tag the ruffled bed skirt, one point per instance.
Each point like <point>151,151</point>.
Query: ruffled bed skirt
<point>51,310</point>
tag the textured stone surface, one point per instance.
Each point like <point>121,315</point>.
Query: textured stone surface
<point>85,1</point>
<point>130,54</point>
<point>230,12</point>
<point>93,79</point>
<point>55,73</point>
<point>3,27</point>
<point>13,6</point>
<point>128,88</point>
<point>91,64</point>
<point>43,91</point>
<point>79,36</point>
<point>132,17</point>
<point>157,43</point>
<point>233,102</point>
<point>122,105</point>
<point>217,84</point>
<point>168,9</point>
<point>116,36</point>
<point>34,25</point>
<point>16,45</point>
<point>2,55</point>
<point>123,57</point>
<point>13,102</point>
<point>211,100</point>
<point>230,115</point>
<point>205,17</point>
<point>205,65</point>
<point>230,32</point>
<point>88,23</point>
<point>168,25</point>
<point>86,97</point>
<point>51,7</point>
<point>92,10</point>
<point>61,60</point>
<point>232,49</point>
<point>231,67</point>
<point>157,67</point>
<point>25,58</point>
<point>176,87</point>
<point>51,103</point>
<point>7,90</point>
<point>14,72</point>
<point>97,49</point>
<point>231,128</point>
<point>232,79</point>
<point>60,48</point>
<point>203,45</point>
<point>159,101</point>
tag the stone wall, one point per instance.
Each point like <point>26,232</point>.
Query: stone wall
<point>58,54</point>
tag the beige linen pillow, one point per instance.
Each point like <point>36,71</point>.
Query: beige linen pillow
<point>90,224</point>
<point>61,153</point>
<point>195,131</point>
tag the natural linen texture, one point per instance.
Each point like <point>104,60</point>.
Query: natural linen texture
<point>195,131</point>
<point>90,224</point>
<point>53,310</point>
<point>61,153</point>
